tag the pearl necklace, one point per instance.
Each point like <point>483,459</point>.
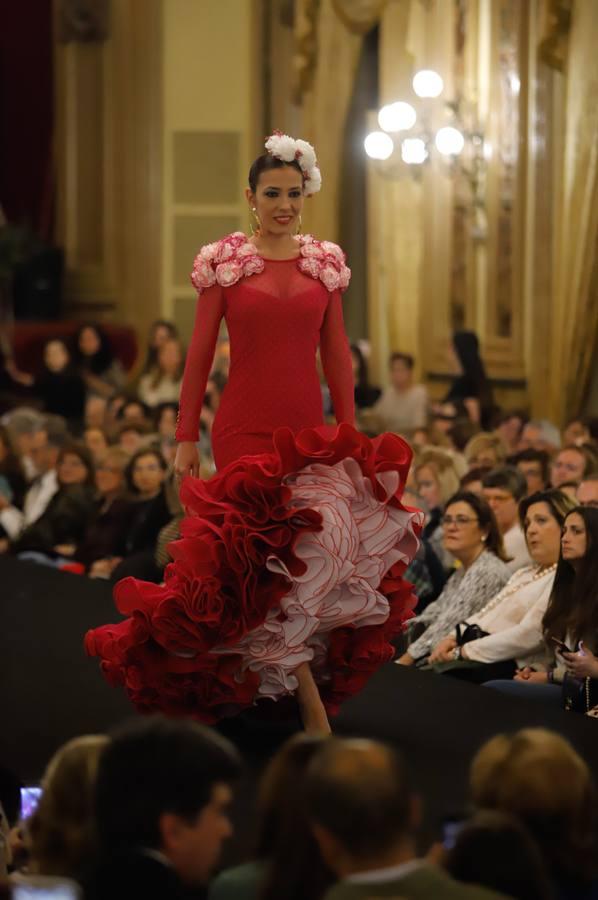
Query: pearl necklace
<point>507,592</point>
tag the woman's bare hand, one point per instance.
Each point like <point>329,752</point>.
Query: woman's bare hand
<point>186,461</point>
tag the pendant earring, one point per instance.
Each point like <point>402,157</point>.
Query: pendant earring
<point>299,226</point>
<point>256,229</point>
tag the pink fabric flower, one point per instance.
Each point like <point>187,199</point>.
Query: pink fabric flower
<point>253,265</point>
<point>203,275</point>
<point>310,266</point>
<point>330,278</point>
<point>228,273</point>
<point>209,251</point>
<point>225,251</point>
<point>333,250</point>
<point>312,249</point>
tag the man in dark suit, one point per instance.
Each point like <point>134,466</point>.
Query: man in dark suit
<point>162,797</point>
<point>364,817</point>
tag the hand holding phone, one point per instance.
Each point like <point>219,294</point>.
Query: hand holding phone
<point>561,645</point>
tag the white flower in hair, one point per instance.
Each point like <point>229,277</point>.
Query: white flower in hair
<point>282,146</point>
<point>286,148</point>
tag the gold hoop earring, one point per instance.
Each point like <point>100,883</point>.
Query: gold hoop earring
<point>299,226</point>
<point>256,229</point>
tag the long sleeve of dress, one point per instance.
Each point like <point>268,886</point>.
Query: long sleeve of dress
<point>208,315</point>
<point>336,360</point>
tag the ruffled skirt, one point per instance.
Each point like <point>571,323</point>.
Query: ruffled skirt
<point>284,558</point>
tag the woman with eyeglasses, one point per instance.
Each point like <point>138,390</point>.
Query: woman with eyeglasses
<point>472,536</point>
<point>510,627</point>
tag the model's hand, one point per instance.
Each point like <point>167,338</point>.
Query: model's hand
<point>442,652</point>
<point>582,665</point>
<point>186,461</point>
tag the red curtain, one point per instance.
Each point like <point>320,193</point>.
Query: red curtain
<point>26,113</point>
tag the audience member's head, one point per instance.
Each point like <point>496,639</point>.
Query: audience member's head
<point>538,777</point>
<point>57,357</point>
<point>485,449</point>
<point>576,432</point>
<point>360,367</point>
<point>535,466</point>
<point>542,516</point>
<point>587,492</point>
<point>165,417</point>
<point>96,441</point>
<point>470,527</point>
<point>23,425</point>
<point>160,331</point>
<point>540,435</point>
<point>495,850</point>
<point>62,830</point>
<point>47,443</point>
<point>510,428</point>
<point>361,807</point>
<point>10,464</point>
<point>146,472</point>
<point>96,411</point>
<point>572,612</point>
<point>284,838</point>
<point>165,785</point>
<point>571,464</point>
<point>436,477</point>
<point>472,480</point>
<point>400,368</point>
<point>93,350</point>
<point>503,490</point>
<point>75,466</point>
<point>461,433</point>
<point>132,436</point>
<point>110,472</point>
<point>133,410</point>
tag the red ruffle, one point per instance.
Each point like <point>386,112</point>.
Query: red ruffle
<point>218,587</point>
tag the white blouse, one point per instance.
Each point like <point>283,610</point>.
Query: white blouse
<point>514,620</point>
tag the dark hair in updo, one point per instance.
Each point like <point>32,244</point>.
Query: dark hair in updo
<point>264,163</point>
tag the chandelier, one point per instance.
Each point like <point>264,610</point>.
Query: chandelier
<point>412,135</point>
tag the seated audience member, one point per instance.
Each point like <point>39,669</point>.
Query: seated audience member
<point>570,620</point>
<point>96,441</point>
<point>162,795</point>
<point>55,534</point>
<point>23,425</point>
<point>472,480</point>
<point>507,634</point>
<point>576,432</point>
<point>366,394</point>
<point>133,410</point>
<point>534,465</point>
<point>537,777</point>
<point>133,436</point>
<point>163,383</point>
<point>160,331</point>
<point>364,817</point>
<point>11,471</point>
<point>495,850</point>
<point>96,412</point>
<point>287,863</point>
<point>61,832</point>
<point>403,406</point>
<point>587,492</point>
<point>93,357</point>
<point>437,480</point>
<point>485,449</point>
<point>145,477</point>
<point>165,420</point>
<point>540,435</point>
<point>105,537</point>
<point>510,428</point>
<point>571,464</point>
<point>503,490</point>
<point>425,571</point>
<point>60,386</point>
<point>471,535</point>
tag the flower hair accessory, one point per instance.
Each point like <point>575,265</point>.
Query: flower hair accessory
<point>286,148</point>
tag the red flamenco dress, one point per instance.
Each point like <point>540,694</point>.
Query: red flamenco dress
<point>294,551</point>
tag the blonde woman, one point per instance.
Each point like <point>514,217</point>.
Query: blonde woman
<point>485,449</point>
<point>437,480</point>
<point>61,831</point>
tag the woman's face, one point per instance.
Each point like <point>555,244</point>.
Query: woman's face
<point>167,423</point>
<point>543,534</point>
<point>110,477</point>
<point>56,356</point>
<point>170,356</point>
<point>89,342</point>
<point>569,465</point>
<point>95,441</point>
<point>160,335</point>
<point>462,532</point>
<point>148,474</point>
<point>485,458</point>
<point>575,432</point>
<point>428,487</point>
<point>278,201</point>
<point>133,412</point>
<point>574,539</point>
<point>72,470</point>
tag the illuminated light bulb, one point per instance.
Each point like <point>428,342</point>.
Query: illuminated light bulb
<point>378,145</point>
<point>413,151</point>
<point>449,141</point>
<point>397,116</point>
<point>427,83</point>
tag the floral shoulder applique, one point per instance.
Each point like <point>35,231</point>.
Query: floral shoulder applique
<point>227,261</point>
